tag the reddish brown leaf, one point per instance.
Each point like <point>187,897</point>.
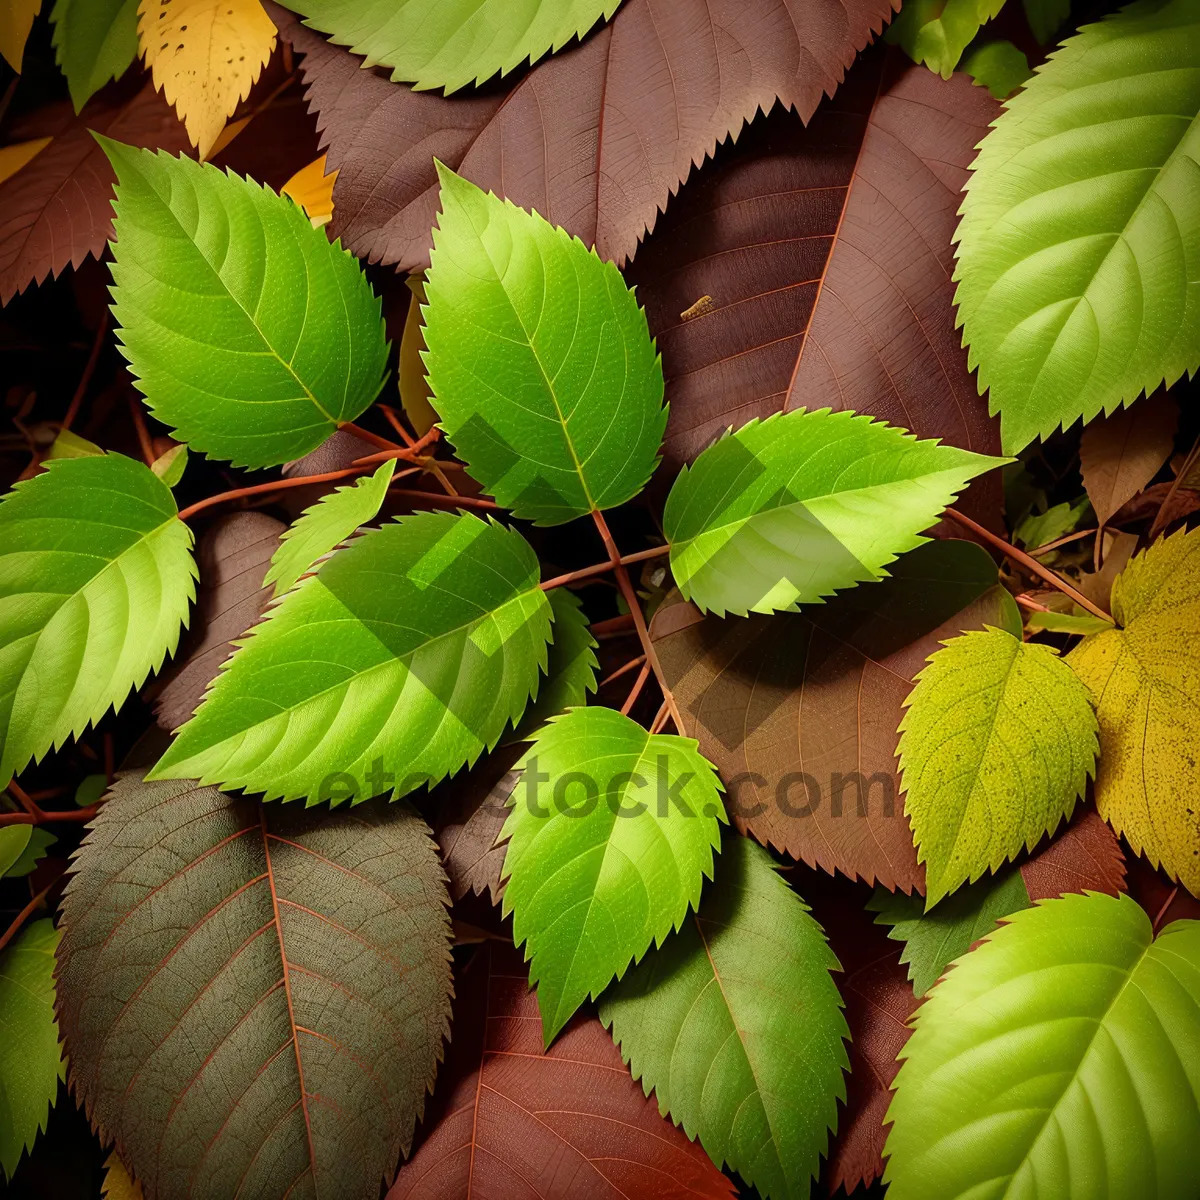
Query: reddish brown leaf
<point>58,210</point>
<point>827,253</point>
<point>1145,506</point>
<point>510,1121</point>
<point>596,138</point>
<point>1085,856</point>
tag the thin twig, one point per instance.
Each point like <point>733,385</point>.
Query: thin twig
<point>612,627</point>
<point>45,817</point>
<point>661,718</point>
<point>1029,603</point>
<point>1162,912</point>
<point>393,419</point>
<point>601,568</point>
<point>631,665</point>
<point>259,488</point>
<point>452,501</point>
<point>367,436</point>
<point>636,690</point>
<point>1160,518</point>
<point>139,423</point>
<point>24,799</point>
<point>88,371</point>
<point>1063,541</point>
<point>12,931</point>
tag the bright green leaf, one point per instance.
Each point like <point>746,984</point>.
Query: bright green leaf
<point>94,41</point>
<point>611,834</point>
<point>936,32</point>
<point>998,66</point>
<point>30,1061</point>
<point>71,445</point>
<point>540,362</point>
<point>933,940</point>
<point>1060,1058</point>
<point>13,841</point>
<point>1079,246</point>
<point>96,576</point>
<point>1039,529</point>
<point>38,843</point>
<point>251,335</point>
<point>1046,17</point>
<point>169,467</point>
<point>737,1026</point>
<point>996,745</point>
<point>401,660</point>
<point>325,525</point>
<point>788,510</point>
<point>452,43</point>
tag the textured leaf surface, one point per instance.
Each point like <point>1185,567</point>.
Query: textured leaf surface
<point>30,1058</point>
<point>539,362</point>
<point>250,334</point>
<point>512,1121</point>
<point>205,55</point>
<point>1145,681</point>
<point>610,837</point>
<point>94,41</point>
<point>96,576</point>
<point>117,1183</point>
<point>1080,237</point>
<point>799,711</point>
<point>998,66</point>
<point>791,509</point>
<point>596,138</point>
<point>401,660</point>
<point>253,998</point>
<point>708,1022</point>
<point>1062,1051</point>
<point>458,42</point>
<point>827,253</point>
<point>326,525</point>
<point>997,743</point>
<point>936,32</point>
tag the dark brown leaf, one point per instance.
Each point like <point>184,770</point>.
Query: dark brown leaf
<point>511,1121</point>
<point>596,138</point>
<point>1145,506</point>
<point>1084,856</point>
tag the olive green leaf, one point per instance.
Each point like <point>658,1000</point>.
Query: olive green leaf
<point>97,573</point>
<point>737,1027</point>
<point>540,362</point>
<point>611,833</point>
<point>1059,1058</point>
<point>997,743</point>
<point>401,660</point>
<point>998,66</point>
<point>788,510</point>
<point>22,847</point>
<point>251,335</point>
<point>1079,246</point>
<point>325,525</point>
<point>94,41</point>
<point>1057,622</point>
<point>1145,679</point>
<point>936,32</point>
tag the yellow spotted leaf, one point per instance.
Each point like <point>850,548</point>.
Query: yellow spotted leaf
<point>1144,677</point>
<point>118,1184</point>
<point>14,157</point>
<point>205,56</point>
<point>414,384</point>
<point>312,189</point>
<point>16,20</point>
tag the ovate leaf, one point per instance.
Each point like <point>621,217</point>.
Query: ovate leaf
<point>401,660</point>
<point>936,32</point>
<point>94,41</point>
<point>611,834</point>
<point>96,576</point>
<point>997,743</point>
<point>250,334</point>
<point>788,510</point>
<point>1080,235</point>
<point>326,524</point>
<point>998,66</point>
<point>539,361</point>
<point>31,1062</point>
<point>1145,680</point>
<point>253,997</point>
<point>1063,1051</point>
<point>456,42</point>
<point>710,1023</point>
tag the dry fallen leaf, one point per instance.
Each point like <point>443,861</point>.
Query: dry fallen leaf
<point>312,189</point>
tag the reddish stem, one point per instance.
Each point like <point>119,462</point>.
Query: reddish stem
<point>139,424</point>
<point>612,627</point>
<point>1063,541</point>
<point>636,690</point>
<point>661,718</point>
<point>453,501</point>
<point>260,488</point>
<point>631,665</point>
<point>88,371</point>
<point>45,818</point>
<point>601,568</point>
<point>26,801</point>
<point>367,436</point>
<point>1029,603</point>
<point>394,421</point>
<point>15,928</point>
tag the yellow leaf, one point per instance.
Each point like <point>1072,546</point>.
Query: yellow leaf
<point>14,157</point>
<point>117,1183</point>
<point>227,134</point>
<point>312,189</point>
<point>1145,681</point>
<point>205,56</point>
<point>16,20</point>
<point>414,386</point>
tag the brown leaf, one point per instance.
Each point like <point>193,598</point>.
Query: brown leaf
<point>827,252</point>
<point>1146,504</point>
<point>510,1121</point>
<point>1085,856</point>
<point>1120,454</point>
<point>596,138</point>
<point>58,210</point>
<point>233,557</point>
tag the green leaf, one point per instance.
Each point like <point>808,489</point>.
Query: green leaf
<point>251,335</point>
<point>32,851</point>
<point>30,1061</point>
<point>737,1026</point>
<point>1057,622</point>
<point>452,43</point>
<point>1046,17</point>
<point>996,745</point>
<point>96,572</point>
<point>170,466</point>
<point>540,362</point>
<point>71,445</point>
<point>90,789</point>
<point>1039,529</point>
<point>325,525</point>
<point>788,510</point>
<point>998,66</point>
<point>94,41</point>
<point>13,841</point>
<point>1060,1058</point>
<point>609,855</point>
<point>401,660</point>
<point>933,940</point>
<point>936,32</point>
<point>1078,285</point>
<point>254,998</point>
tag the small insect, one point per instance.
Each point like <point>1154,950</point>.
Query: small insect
<point>703,305</point>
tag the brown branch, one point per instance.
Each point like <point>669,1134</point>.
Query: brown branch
<point>629,666</point>
<point>15,928</point>
<point>636,690</point>
<point>86,378</point>
<point>394,421</point>
<point>1063,541</point>
<point>601,568</point>
<point>260,488</point>
<point>45,818</point>
<point>452,501</point>
<point>367,436</point>
<point>24,799</point>
<point>612,627</point>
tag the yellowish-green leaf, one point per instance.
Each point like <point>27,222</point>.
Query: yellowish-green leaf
<point>71,445</point>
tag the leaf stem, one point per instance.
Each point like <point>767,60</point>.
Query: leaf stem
<point>1062,541</point>
<point>44,817</point>
<point>24,799</point>
<point>261,488</point>
<point>139,424</point>
<point>1028,602</point>
<point>367,436</point>
<point>600,568</point>
<point>636,690</point>
<point>629,666</point>
<point>12,931</point>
